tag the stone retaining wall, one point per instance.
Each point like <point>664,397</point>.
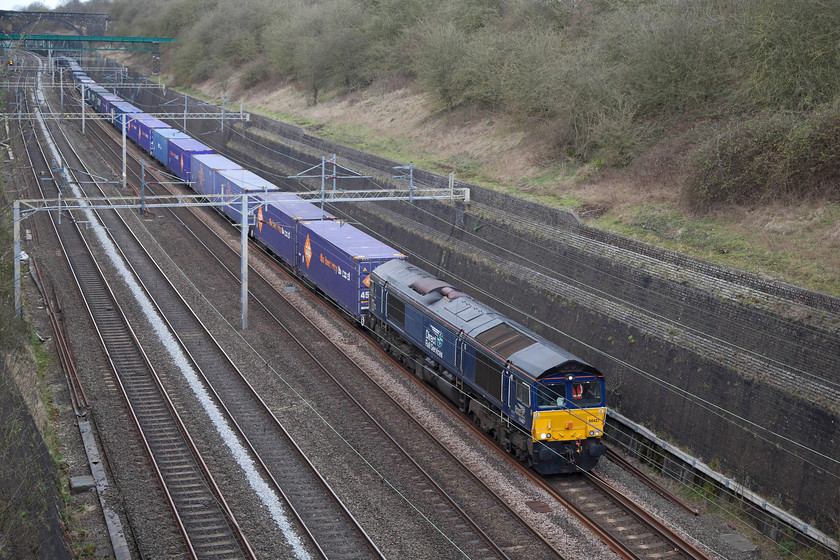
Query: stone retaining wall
<point>674,383</point>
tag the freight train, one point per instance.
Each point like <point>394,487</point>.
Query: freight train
<point>538,401</point>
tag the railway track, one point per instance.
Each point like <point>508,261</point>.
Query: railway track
<point>636,534</point>
<point>208,528</point>
<point>448,513</point>
<point>461,529</point>
<point>332,529</point>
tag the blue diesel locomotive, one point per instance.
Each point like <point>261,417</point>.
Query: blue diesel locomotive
<point>538,401</point>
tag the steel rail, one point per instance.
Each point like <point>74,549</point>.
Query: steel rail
<point>316,535</point>
<point>666,533</point>
<point>608,539</point>
<point>373,421</point>
<point>478,530</point>
<point>110,341</point>
<point>619,459</point>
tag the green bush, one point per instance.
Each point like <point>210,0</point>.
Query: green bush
<point>322,45</point>
<point>791,59</point>
<point>771,156</point>
<point>438,55</point>
<point>670,57</point>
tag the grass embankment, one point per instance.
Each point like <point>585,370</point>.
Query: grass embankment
<point>719,118</point>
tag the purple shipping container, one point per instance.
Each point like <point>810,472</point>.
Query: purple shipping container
<point>180,150</point>
<point>338,259</point>
<point>160,143</point>
<point>88,82</point>
<point>140,130</point>
<point>276,221</point>
<point>105,102</point>
<point>236,181</point>
<point>204,168</point>
<point>122,108</point>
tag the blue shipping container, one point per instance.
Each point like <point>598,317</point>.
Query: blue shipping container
<point>276,223</point>
<point>180,150</point>
<point>160,142</point>
<point>86,81</point>
<point>237,181</point>
<point>140,130</point>
<point>93,91</point>
<point>204,167</point>
<point>339,258</point>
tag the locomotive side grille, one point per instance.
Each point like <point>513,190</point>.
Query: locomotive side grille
<point>396,310</point>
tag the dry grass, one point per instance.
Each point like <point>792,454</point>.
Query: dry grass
<point>797,243</point>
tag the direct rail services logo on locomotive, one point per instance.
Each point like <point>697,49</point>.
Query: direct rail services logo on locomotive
<point>434,340</point>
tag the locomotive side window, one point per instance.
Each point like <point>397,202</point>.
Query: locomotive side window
<point>586,393</point>
<point>551,395</point>
<point>396,310</point>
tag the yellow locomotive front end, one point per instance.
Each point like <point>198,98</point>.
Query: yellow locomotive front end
<point>568,424</point>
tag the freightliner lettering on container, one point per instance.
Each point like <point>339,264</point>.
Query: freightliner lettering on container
<point>335,267</point>
<point>284,231</point>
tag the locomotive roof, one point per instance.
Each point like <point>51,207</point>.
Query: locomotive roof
<point>525,349</point>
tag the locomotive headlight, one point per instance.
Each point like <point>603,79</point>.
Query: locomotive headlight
<point>542,436</point>
<point>592,432</point>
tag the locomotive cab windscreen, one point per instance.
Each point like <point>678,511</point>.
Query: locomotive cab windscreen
<point>569,393</point>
